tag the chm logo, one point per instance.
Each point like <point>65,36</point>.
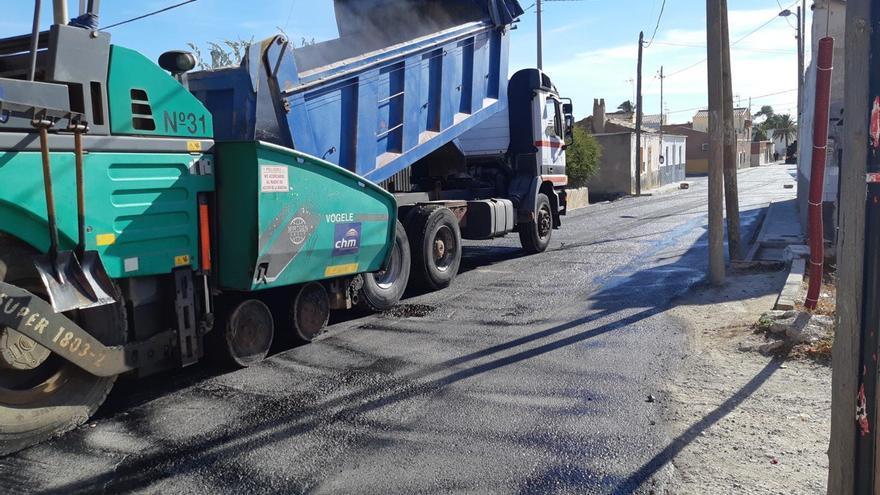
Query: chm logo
<point>347,239</point>
<point>298,230</point>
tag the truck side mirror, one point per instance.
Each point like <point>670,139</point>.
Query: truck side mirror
<point>568,112</point>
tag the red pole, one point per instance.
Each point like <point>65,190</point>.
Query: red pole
<point>824,67</point>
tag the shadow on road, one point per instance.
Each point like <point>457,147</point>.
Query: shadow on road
<point>665,456</point>
<point>624,299</point>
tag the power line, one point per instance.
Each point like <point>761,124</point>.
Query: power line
<point>762,26</point>
<point>692,45</point>
<point>657,27</point>
<point>181,4</point>
<point>785,91</point>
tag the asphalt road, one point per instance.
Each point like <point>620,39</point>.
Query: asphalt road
<point>529,375</point>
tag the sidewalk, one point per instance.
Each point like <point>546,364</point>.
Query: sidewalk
<point>781,228</point>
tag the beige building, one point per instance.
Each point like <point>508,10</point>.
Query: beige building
<point>742,124</point>
<point>617,175</point>
<point>762,153</point>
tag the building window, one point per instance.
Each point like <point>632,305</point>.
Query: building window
<point>705,146</point>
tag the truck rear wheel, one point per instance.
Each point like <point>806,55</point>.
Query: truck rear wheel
<point>535,234</point>
<point>45,396</point>
<point>383,290</point>
<point>435,242</point>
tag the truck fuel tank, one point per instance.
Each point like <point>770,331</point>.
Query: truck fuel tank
<point>488,218</point>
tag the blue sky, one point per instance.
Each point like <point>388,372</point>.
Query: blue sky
<point>589,46</point>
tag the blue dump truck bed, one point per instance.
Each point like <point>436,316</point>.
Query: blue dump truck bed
<point>404,78</point>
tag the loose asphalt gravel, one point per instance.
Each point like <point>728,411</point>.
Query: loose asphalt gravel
<point>532,374</point>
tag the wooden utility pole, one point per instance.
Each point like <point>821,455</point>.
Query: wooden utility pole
<point>716,143</point>
<point>639,116</point>
<point>731,163</point>
<point>845,431</point>
<point>661,114</point>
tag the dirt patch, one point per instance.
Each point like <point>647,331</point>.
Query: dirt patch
<point>746,423</point>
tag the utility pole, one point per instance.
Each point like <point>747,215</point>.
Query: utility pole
<point>731,165</point>
<point>716,143</point>
<point>851,411</point>
<point>540,36</point>
<point>639,116</point>
<point>661,111</point>
<point>867,439</point>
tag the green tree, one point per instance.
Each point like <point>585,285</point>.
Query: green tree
<point>784,128</point>
<point>765,111</point>
<point>759,134</point>
<point>224,54</point>
<point>627,106</point>
<point>582,158</point>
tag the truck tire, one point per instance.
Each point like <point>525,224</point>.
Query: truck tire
<point>55,396</point>
<point>535,234</point>
<point>435,242</point>
<point>383,290</point>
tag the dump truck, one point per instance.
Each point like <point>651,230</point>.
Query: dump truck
<point>152,215</point>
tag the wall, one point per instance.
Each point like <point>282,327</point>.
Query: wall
<point>696,157</point>
<point>651,161</point>
<point>675,156</point>
<point>762,153</point>
<point>577,198</point>
<point>616,174</point>
<point>697,166</point>
<point>701,122</point>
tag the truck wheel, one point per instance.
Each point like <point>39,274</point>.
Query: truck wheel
<point>43,395</point>
<point>435,242</point>
<point>535,235</point>
<point>310,311</point>
<point>383,290</point>
<point>248,333</point>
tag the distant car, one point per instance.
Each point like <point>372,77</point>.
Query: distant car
<point>791,153</point>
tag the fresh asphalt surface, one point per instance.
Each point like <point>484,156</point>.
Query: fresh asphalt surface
<point>531,374</point>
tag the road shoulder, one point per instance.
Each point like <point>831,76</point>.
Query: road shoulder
<point>741,422</point>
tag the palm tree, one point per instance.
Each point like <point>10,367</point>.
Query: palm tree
<point>784,128</point>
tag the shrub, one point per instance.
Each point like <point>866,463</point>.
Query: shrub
<point>582,158</point>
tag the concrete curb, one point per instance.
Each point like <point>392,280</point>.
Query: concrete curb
<point>790,291</point>
<point>578,198</point>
